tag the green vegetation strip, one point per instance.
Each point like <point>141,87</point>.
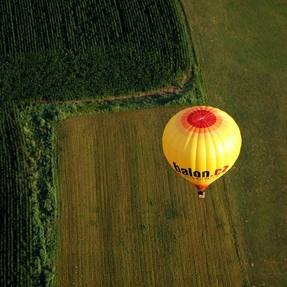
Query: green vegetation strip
<point>27,202</point>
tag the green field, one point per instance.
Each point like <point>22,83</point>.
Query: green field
<point>241,48</point>
<point>70,49</point>
<point>127,220</point>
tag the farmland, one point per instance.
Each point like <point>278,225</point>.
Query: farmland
<point>69,49</point>
<point>140,229</point>
<point>241,48</point>
<point>53,51</point>
<point>15,204</point>
<point>127,220</point>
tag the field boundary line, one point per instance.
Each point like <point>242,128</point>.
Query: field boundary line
<point>238,249</point>
<point>162,92</point>
<point>194,52</point>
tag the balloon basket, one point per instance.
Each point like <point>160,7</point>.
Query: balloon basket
<point>201,194</point>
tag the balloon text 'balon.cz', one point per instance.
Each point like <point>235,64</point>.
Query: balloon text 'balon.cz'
<point>198,174</point>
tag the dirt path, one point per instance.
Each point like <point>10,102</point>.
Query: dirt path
<point>157,93</point>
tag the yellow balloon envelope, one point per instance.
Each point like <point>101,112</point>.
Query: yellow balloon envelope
<point>201,144</point>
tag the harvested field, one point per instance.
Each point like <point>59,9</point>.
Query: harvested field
<point>127,220</point>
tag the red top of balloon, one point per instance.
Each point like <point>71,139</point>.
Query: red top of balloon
<point>201,118</point>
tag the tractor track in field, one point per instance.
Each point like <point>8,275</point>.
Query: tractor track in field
<point>172,90</point>
<point>234,233</point>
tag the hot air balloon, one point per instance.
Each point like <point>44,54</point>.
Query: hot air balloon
<point>201,143</point>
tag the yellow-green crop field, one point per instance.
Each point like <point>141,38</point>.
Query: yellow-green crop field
<point>127,220</point>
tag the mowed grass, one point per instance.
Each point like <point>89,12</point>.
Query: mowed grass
<point>241,48</point>
<point>126,219</point>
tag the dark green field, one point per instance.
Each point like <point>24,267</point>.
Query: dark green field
<point>68,49</point>
<point>16,237</point>
<point>126,219</point>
